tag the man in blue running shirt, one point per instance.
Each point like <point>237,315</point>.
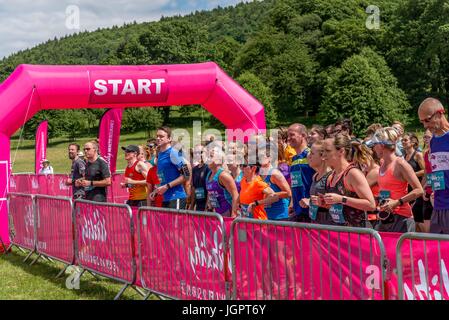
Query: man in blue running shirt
<point>300,171</point>
<point>172,171</point>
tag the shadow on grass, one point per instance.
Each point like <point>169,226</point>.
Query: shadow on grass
<point>90,288</point>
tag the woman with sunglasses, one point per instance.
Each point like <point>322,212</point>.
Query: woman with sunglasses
<point>348,194</point>
<point>395,174</point>
<point>200,172</point>
<point>222,194</point>
<point>255,193</point>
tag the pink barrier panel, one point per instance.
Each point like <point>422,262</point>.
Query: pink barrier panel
<point>119,194</point>
<point>22,183</point>
<point>55,234</point>
<point>305,262</point>
<point>182,254</point>
<point>21,220</point>
<point>56,186</point>
<point>423,266</point>
<point>104,239</point>
<point>42,181</point>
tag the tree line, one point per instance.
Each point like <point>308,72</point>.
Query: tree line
<point>314,58</point>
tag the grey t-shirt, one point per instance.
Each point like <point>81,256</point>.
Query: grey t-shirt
<point>77,172</point>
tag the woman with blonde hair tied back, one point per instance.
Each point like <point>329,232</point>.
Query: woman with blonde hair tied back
<point>395,174</point>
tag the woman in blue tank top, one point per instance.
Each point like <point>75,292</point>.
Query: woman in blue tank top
<point>276,180</point>
<point>221,189</point>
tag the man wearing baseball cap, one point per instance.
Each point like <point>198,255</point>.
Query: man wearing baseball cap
<point>135,177</point>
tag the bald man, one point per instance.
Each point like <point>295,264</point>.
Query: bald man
<point>431,115</point>
<point>300,171</point>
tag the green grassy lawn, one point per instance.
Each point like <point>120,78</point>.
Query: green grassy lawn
<point>19,280</point>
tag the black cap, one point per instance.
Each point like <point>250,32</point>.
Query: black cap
<point>131,148</point>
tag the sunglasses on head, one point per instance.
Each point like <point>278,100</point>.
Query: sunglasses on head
<point>151,145</point>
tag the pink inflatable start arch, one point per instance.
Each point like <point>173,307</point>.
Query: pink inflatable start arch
<point>31,88</point>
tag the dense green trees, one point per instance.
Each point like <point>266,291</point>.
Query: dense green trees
<point>298,57</point>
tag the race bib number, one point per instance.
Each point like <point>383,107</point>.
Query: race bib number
<point>245,211</point>
<point>436,180</point>
<point>384,195</point>
<point>296,179</point>
<point>200,194</point>
<point>336,212</point>
<point>214,201</point>
<point>313,211</point>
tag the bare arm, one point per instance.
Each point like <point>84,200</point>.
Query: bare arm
<point>359,184</point>
<point>228,182</point>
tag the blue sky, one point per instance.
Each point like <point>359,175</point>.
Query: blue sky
<point>26,23</point>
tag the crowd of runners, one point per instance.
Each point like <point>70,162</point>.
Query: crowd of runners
<point>386,179</point>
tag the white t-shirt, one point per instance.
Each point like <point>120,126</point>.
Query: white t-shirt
<point>48,170</point>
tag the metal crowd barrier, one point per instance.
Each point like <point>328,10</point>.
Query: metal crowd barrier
<point>104,242</point>
<point>422,271</point>
<point>183,254</point>
<point>55,229</point>
<point>283,260</point>
<point>22,222</point>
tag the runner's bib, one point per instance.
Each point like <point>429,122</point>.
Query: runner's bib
<point>436,180</point>
<point>313,210</point>
<point>336,212</point>
<point>296,179</point>
<point>200,194</point>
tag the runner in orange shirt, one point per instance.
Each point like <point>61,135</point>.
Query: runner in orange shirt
<point>254,193</point>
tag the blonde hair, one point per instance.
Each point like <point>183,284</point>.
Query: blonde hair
<point>362,155</point>
<point>388,134</point>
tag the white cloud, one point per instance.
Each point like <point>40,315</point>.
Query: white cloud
<point>26,23</point>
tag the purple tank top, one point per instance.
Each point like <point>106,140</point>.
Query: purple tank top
<point>219,197</point>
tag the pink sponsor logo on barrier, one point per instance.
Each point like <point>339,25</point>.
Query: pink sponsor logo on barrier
<point>183,255</point>
<point>55,228</point>
<point>22,220</point>
<point>276,262</point>
<point>105,240</point>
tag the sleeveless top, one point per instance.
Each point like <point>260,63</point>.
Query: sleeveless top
<point>136,191</point>
<point>220,199</point>
<point>414,163</point>
<point>279,209</point>
<point>397,188</point>
<point>319,214</point>
<point>351,217</point>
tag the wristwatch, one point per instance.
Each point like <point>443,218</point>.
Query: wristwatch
<point>344,199</point>
<point>401,202</point>
<point>168,185</point>
<point>256,202</point>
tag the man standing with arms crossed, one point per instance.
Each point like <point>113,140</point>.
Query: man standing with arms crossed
<point>135,177</point>
<point>172,171</point>
<point>77,172</point>
<point>97,176</point>
<point>300,171</point>
<point>431,115</point>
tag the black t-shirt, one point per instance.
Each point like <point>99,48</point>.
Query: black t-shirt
<point>97,171</point>
<point>77,172</point>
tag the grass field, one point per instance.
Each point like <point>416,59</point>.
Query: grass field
<point>20,281</point>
